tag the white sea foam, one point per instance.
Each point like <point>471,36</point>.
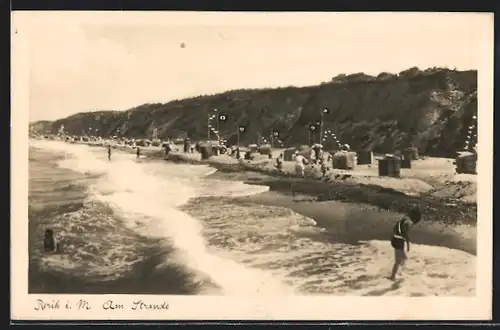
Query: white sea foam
<point>152,193</point>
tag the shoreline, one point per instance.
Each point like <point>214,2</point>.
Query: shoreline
<point>352,223</point>
<point>450,211</point>
<point>448,223</point>
<point>447,210</point>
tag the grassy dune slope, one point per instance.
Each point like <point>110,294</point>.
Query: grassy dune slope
<point>431,109</point>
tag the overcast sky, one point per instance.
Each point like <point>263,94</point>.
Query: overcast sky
<point>114,61</point>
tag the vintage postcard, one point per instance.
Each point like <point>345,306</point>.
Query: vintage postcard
<point>251,166</point>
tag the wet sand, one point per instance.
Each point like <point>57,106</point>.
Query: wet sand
<point>361,222</point>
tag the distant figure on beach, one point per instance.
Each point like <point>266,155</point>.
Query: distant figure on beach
<point>109,152</point>
<point>138,152</point>
<point>167,148</point>
<point>50,244</point>
<point>324,167</point>
<point>300,164</point>
<point>192,148</point>
<point>279,162</point>
<point>313,156</point>
<point>400,235</point>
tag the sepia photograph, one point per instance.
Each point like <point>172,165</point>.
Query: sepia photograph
<point>272,166</point>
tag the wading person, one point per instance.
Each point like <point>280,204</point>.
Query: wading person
<point>400,235</point>
<point>50,244</point>
<point>109,152</point>
<point>138,152</point>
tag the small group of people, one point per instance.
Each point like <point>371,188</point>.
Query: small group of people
<point>301,162</point>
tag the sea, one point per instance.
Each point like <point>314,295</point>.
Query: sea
<point>142,226</point>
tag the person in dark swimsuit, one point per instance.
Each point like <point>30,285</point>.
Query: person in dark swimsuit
<point>138,152</point>
<point>50,243</point>
<point>400,235</point>
<point>109,152</point>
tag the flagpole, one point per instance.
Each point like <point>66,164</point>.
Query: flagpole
<point>321,127</point>
<point>217,123</point>
<point>237,135</point>
<point>208,127</point>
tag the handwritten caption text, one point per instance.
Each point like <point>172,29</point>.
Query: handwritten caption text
<point>81,304</point>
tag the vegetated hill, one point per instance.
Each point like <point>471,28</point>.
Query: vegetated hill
<point>41,126</point>
<point>429,109</point>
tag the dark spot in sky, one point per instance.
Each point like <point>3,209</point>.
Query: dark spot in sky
<point>222,37</point>
<point>183,45</point>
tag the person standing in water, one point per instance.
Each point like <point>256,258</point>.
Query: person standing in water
<point>50,244</point>
<point>109,152</point>
<point>138,152</point>
<point>400,235</point>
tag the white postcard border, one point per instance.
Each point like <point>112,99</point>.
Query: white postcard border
<point>239,308</point>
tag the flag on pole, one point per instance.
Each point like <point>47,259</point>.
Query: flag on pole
<point>276,133</point>
<point>242,129</point>
<point>326,111</point>
<point>312,128</point>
